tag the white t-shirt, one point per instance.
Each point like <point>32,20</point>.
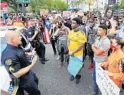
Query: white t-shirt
<point>4,79</point>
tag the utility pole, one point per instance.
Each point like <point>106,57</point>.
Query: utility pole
<point>117,9</point>
<point>97,5</point>
<point>67,3</point>
<point>21,5</point>
<point>23,8</point>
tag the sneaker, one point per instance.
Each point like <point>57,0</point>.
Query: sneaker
<point>58,58</point>
<point>78,77</point>
<point>71,78</point>
<point>90,66</point>
<point>42,61</point>
<point>46,59</point>
<point>61,64</point>
<point>77,81</point>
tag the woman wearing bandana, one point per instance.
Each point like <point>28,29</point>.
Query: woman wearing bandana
<point>114,66</point>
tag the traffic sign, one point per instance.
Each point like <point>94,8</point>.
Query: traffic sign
<point>26,1</point>
<point>23,1</point>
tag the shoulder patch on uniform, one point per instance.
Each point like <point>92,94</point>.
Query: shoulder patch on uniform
<point>8,62</point>
<point>11,69</point>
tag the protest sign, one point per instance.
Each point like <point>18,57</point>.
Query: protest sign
<point>44,12</point>
<point>66,14</point>
<point>105,84</point>
<point>75,64</point>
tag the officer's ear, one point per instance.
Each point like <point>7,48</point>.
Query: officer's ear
<point>13,40</point>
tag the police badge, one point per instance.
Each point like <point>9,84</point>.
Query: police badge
<point>8,62</point>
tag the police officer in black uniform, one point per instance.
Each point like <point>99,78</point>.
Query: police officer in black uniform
<point>15,61</point>
<point>34,36</point>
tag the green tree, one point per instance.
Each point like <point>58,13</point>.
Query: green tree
<point>60,5</point>
<point>89,2</point>
<point>76,2</point>
<point>36,5</point>
<point>122,4</point>
<point>116,7</point>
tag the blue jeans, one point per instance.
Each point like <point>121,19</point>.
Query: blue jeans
<point>95,87</point>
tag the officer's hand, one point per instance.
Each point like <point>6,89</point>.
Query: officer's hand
<point>32,53</point>
<point>36,32</point>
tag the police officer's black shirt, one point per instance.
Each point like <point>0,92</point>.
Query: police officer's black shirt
<point>14,59</point>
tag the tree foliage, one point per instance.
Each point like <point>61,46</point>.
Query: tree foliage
<point>88,2</point>
<point>36,5</point>
<point>79,2</point>
<point>76,3</point>
<point>122,4</point>
<point>116,7</point>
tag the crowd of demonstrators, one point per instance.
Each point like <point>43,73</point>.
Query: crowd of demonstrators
<point>104,36</point>
<point>77,36</point>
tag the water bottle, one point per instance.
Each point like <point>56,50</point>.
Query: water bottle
<point>10,90</point>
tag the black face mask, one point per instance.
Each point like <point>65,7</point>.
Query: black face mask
<point>59,26</point>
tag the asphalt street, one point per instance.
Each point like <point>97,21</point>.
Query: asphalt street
<point>55,81</point>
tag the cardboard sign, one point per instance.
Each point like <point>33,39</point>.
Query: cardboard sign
<point>75,64</point>
<point>105,84</point>
<point>43,12</point>
<point>66,13</point>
